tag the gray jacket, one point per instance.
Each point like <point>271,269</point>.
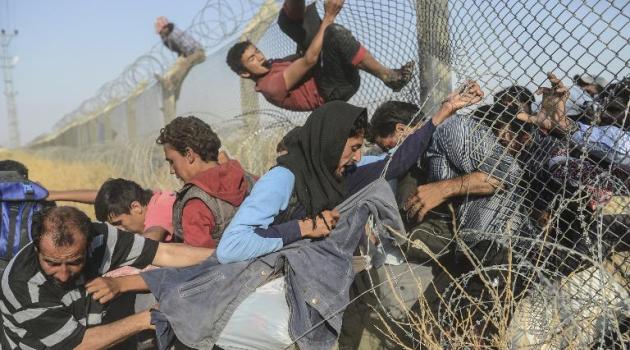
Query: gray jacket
<point>198,301</point>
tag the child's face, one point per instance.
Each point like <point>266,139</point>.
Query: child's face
<point>131,222</point>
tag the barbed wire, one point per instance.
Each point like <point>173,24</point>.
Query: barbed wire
<point>212,26</point>
<point>573,257</point>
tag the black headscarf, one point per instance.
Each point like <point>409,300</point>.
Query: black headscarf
<point>314,158</point>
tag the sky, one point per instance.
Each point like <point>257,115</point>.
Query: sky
<point>67,49</point>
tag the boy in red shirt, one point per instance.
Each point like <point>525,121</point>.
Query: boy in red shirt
<point>308,80</point>
<point>192,148</point>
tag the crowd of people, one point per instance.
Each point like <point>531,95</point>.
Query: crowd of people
<point>450,192</point>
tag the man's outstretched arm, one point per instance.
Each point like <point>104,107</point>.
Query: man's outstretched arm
<point>433,194</point>
<point>103,337</point>
<point>105,289</point>
<point>180,255</point>
<point>79,196</point>
<point>300,67</point>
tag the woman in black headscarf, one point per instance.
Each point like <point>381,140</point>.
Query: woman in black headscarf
<point>314,159</point>
<point>296,199</point>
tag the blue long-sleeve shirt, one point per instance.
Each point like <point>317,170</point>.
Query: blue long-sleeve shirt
<point>251,232</point>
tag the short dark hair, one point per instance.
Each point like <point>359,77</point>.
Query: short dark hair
<point>61,223</point>
<point>497,116</point>
<point>13,165</point>
<point>359,126</point>
<point>191,132</point>
<point>518,93</point>
<point>235,55</point>
<point>115,197</point>
<point>390,113</point>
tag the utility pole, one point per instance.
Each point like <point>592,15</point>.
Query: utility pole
<point>7,63</point>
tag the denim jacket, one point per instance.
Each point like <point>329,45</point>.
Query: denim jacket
<point>198,301</point>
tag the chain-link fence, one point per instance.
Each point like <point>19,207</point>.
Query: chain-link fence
<point>540,261</point>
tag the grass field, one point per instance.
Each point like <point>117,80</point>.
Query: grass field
<point>64,174</point>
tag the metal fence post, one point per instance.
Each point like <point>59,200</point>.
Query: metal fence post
<point>433,51</point>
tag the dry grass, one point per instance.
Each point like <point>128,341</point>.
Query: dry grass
<point>63,175</point>
<point>68,170</point>
<point>570,312</point>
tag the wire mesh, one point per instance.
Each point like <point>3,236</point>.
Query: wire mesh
<point>556,272</point>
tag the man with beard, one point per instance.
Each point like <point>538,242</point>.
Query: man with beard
<point>46,301</point>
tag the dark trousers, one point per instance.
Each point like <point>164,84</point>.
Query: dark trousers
<point>337,78</point>
<point>119,308</point>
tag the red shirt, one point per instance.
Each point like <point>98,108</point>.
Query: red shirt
<point>226,182</point>
<point>198,224</point>
<point>160,212</point>
<point>303,97</point>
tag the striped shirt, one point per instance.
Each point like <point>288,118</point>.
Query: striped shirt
<point>461,146</point>
<point>38,314</point>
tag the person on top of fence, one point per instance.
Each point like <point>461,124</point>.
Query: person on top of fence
<point>325,68</point>
<point>212,191</point>
<point>52,294</point>
<point>189,53</point>
<point>296,199</point>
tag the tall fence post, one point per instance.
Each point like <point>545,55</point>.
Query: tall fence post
<point>433,51</point>
<point>254,31</point>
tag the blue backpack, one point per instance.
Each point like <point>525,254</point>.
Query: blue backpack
<point>20,201</point>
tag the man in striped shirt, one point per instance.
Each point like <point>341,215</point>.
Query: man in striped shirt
<point>46,301</point>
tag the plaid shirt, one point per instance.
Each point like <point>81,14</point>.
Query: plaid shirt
<point>180,42</point>
<point>461,146</point>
